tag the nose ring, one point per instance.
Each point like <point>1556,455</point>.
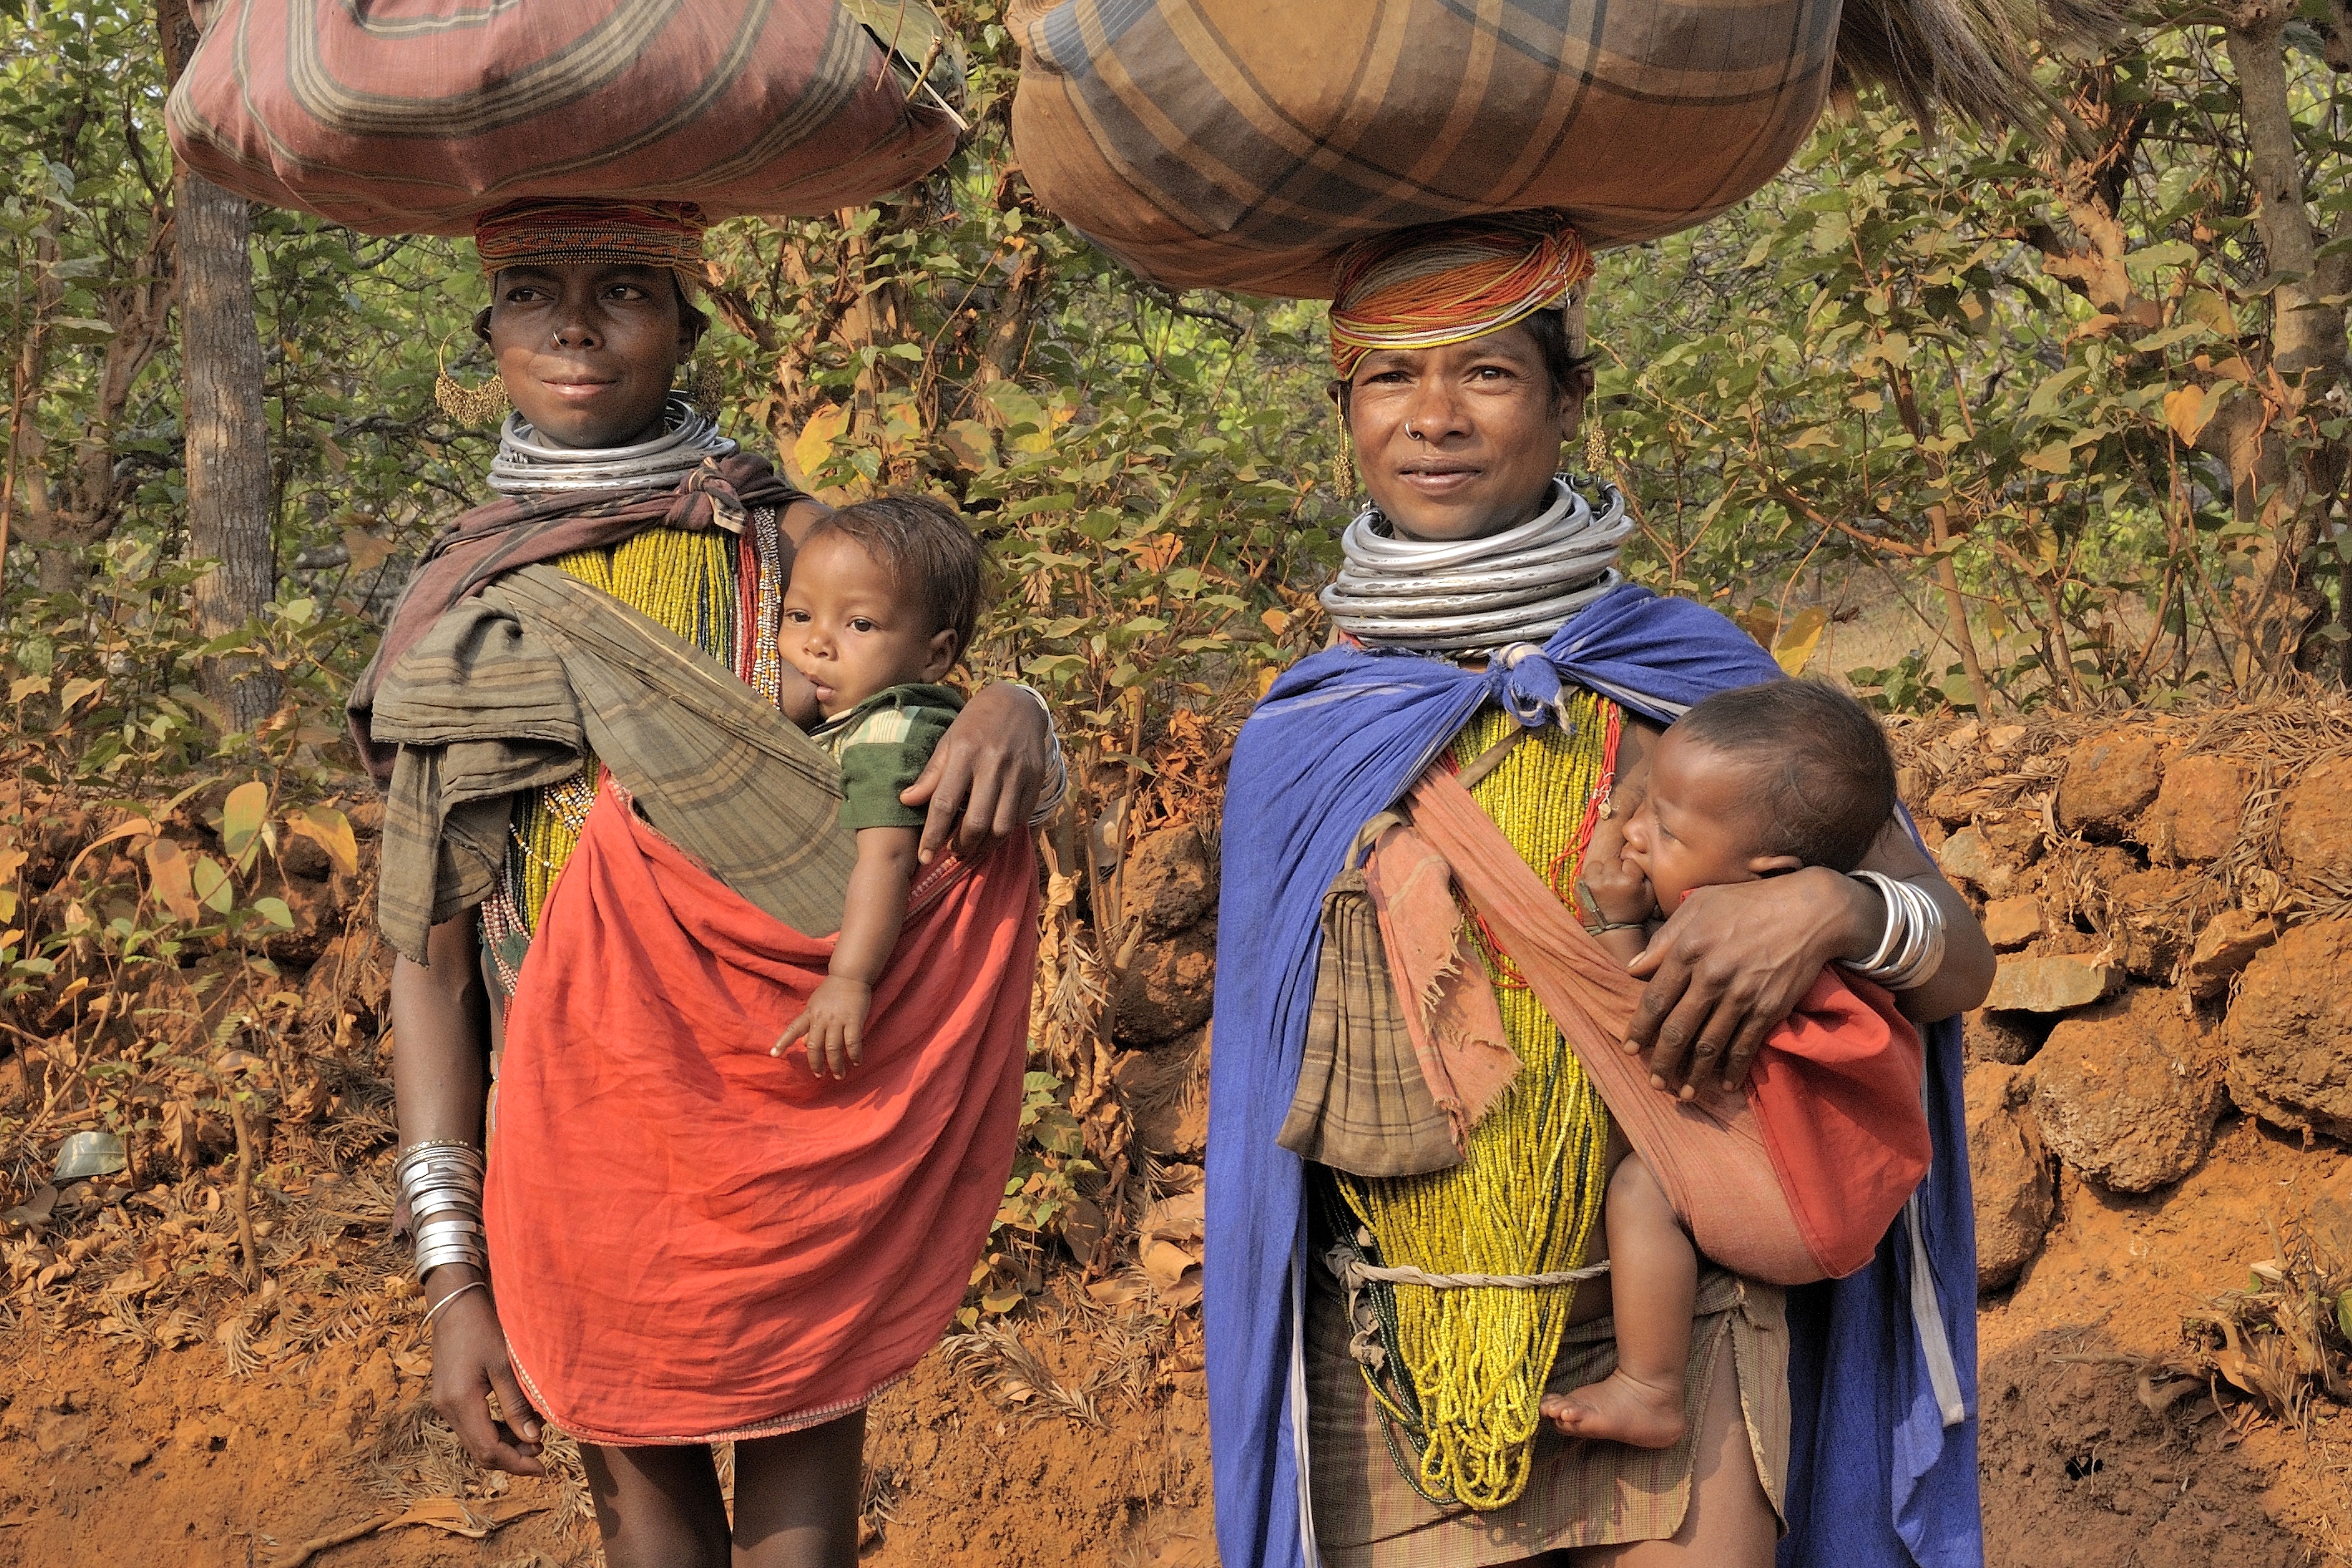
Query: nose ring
<point>1412,435</point>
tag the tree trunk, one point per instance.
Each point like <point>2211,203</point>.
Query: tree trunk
<point>229,492</point>
<point>2286,491</point>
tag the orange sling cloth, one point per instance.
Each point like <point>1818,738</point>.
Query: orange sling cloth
<point>692,1240</point>
<point>1794,1180</point>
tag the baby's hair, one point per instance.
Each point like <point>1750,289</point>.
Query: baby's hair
<point>926,547</point>
<point>1825,778</point>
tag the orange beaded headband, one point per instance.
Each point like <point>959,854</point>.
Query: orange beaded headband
<point>1450,282</point>
<point>556,233</point>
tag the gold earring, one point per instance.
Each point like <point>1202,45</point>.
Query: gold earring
<point>1344,467</point>
<point>485,403</point>
<point>1596,446</point>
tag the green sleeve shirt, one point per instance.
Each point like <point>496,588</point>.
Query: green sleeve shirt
<point>884,743</point>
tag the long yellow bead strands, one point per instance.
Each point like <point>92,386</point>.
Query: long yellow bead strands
<point>1528,1195</point>
<point>685,581</point>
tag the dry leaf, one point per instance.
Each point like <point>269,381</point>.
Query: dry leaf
<point>169,870</point>
<point>331,830</point>
<point>473,1519</point>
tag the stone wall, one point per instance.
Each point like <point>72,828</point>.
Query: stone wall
<point>2171,899</point>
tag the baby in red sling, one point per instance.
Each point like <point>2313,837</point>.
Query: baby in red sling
<point>1749,783</point>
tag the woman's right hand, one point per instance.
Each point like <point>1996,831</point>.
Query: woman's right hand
<point>469,1364</point>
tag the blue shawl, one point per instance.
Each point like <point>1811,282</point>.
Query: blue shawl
<point>1876,1480</point>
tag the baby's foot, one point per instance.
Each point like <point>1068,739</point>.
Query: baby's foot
<point>1619,1409</point>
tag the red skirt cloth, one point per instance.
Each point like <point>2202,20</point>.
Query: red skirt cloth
<point>692,1240</point>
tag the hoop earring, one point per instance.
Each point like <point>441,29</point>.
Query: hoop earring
<point>1343,465</point>
<point>485,403</point>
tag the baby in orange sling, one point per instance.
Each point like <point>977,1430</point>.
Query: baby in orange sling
<point>1749,783</point>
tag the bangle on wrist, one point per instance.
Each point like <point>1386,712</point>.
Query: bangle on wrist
<point>1911,950</point>
<point>435,1310</point>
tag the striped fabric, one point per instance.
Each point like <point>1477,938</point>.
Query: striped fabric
<point>509,690</point>
<point>1232,143</point>
<point>406,116</point>
<point>1367,1515</point>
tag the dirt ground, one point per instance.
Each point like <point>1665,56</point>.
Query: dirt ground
<point>168,1460</point>
<point>164,1457</point>
<point>2077,1472</point>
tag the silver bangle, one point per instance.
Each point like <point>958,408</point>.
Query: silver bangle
<point>441,1181</point>
<point>1058,788</point>
<point>1911,950</point>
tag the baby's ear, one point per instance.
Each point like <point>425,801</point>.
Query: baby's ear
<point>1773,865</point>
<point>943,655</point>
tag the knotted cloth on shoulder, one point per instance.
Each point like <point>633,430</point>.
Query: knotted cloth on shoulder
<point>511,689</point>
<point>476,547</point>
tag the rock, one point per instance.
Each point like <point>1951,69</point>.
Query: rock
<point>2316,833</point>
<point>366,815</point>
<point>2226,945</point>
<point>1166,1092</point>
<point>1968,855</point>
<point>1166,986</point>
<point>302,858</point>
<point>2290,1031</point>
<point>2013,923</point>
<point>2009,1039</point>
<point>2149,913</point>
<point>54,1431</point>
<point>2057,983</point>
<point>2126,1093</point>
<point>1169,881</point>
<point>2110,779</point>
<point>2011,1172</point>
<point>2196,814</point>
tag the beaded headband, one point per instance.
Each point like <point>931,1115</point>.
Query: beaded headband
<point>1450,282</point>
<point>542,232</point>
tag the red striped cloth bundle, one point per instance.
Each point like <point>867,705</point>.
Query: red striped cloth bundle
<point>409,116</point>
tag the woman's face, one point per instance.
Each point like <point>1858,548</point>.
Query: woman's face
<point>588,350</point>
<point>1461,441</point>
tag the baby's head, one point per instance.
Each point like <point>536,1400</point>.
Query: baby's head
<point>1759,781</point>
<point>883,594</point>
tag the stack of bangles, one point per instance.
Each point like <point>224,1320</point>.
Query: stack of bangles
<point>1912,951</point>
<point>442,1180</point>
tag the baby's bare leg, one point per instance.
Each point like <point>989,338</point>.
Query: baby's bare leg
<point>1653,1276</point>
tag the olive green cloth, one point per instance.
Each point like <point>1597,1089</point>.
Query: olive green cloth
<point>883,744</point>
<point>512,688</point>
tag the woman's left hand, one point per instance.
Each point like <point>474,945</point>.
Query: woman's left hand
<point>1736,960</point>
<point>1733,961</point>
<point>989,769</point>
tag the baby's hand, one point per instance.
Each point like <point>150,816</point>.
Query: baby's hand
<point>834,1022</point>
<point>1618,892</point>
<point>797,697</point>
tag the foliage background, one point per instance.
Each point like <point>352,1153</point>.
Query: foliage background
<point>2081,399</point>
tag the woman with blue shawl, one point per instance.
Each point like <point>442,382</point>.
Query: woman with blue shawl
<point>1370,1406</point>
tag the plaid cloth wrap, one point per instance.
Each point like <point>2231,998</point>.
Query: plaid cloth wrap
<point>509,690</point>
<point>1234,144</point>
<point>883,744</point>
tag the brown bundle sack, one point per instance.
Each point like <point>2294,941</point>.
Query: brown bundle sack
<point>1240,144</point>
<point>416,116</point>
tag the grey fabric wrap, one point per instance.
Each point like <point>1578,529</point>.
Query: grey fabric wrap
<point>511,689</point>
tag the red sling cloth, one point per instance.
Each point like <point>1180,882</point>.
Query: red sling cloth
<point>693,1240</point>
<point>1796,1179</point>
